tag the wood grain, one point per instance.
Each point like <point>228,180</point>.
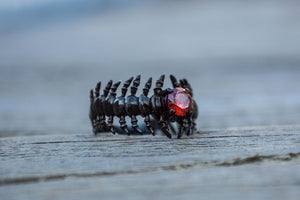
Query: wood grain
<point>231,162</point>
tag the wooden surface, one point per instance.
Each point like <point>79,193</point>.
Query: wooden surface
<point>248,163</point>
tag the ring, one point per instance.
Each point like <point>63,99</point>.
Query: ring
<point>163,107</point>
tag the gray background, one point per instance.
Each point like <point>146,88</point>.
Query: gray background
<point>241,57</point>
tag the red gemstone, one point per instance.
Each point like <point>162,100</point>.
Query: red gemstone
<point>181,101</point>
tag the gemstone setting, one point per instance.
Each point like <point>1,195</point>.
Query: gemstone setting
<point>181,101</point>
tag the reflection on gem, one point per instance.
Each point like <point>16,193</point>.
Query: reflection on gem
<point>180,101</point>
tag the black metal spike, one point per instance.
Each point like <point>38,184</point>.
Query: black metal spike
<point>114,88</point>
<point>107,88</point>
<point>123,125</point>
<point>164,127</point>
<point>147,86</point>
<point>174,81</point>
<point>159,84</point>
<point>136,83</point>
<point>97,89</point>
<point>125,86</point>
<point>92,96</point>
<point>148,124</point>
<point>135,126</point>
<point>160,81</point>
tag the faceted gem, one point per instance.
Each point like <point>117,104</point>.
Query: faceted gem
<point>181,101</point>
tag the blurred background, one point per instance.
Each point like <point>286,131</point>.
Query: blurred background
<point>241,57</point>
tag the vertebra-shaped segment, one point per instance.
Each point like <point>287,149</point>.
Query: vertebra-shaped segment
<point>97,89</point>
<point>132,104</point>
<point>193,126</point>
<point>156,99</point>
<point>182,127</point>
<point>145,105</point>
<point>91,99</point>
<point>108,106</point>
<point>96,109</point>
<point>135,85</point>
<point>144,101</point>
<point>123,124</point>
<point>92,113</point>
<point>125,86</point>
<point>164,127</point>
<point>147,86</point>
<point>148,124</point>
<point>159,107</point>
<point>107,88</point>
<point>114,88</point>
<point>97,102</point>
<point>186,125</point>
<point>189,126</point>
<point>194,116</point>
<point>91,95</point>
<point>119,106</point>
<point>100,107</point>
<point>134,124</point>
<point>186,85</point>
<point>159,85</point>
<point>174,81</point>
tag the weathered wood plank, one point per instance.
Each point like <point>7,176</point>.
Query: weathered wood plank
<point>110,166</point>
<point>268,180</point>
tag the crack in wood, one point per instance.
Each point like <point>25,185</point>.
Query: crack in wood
<point>235,162</point>
<point>260,158</point>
